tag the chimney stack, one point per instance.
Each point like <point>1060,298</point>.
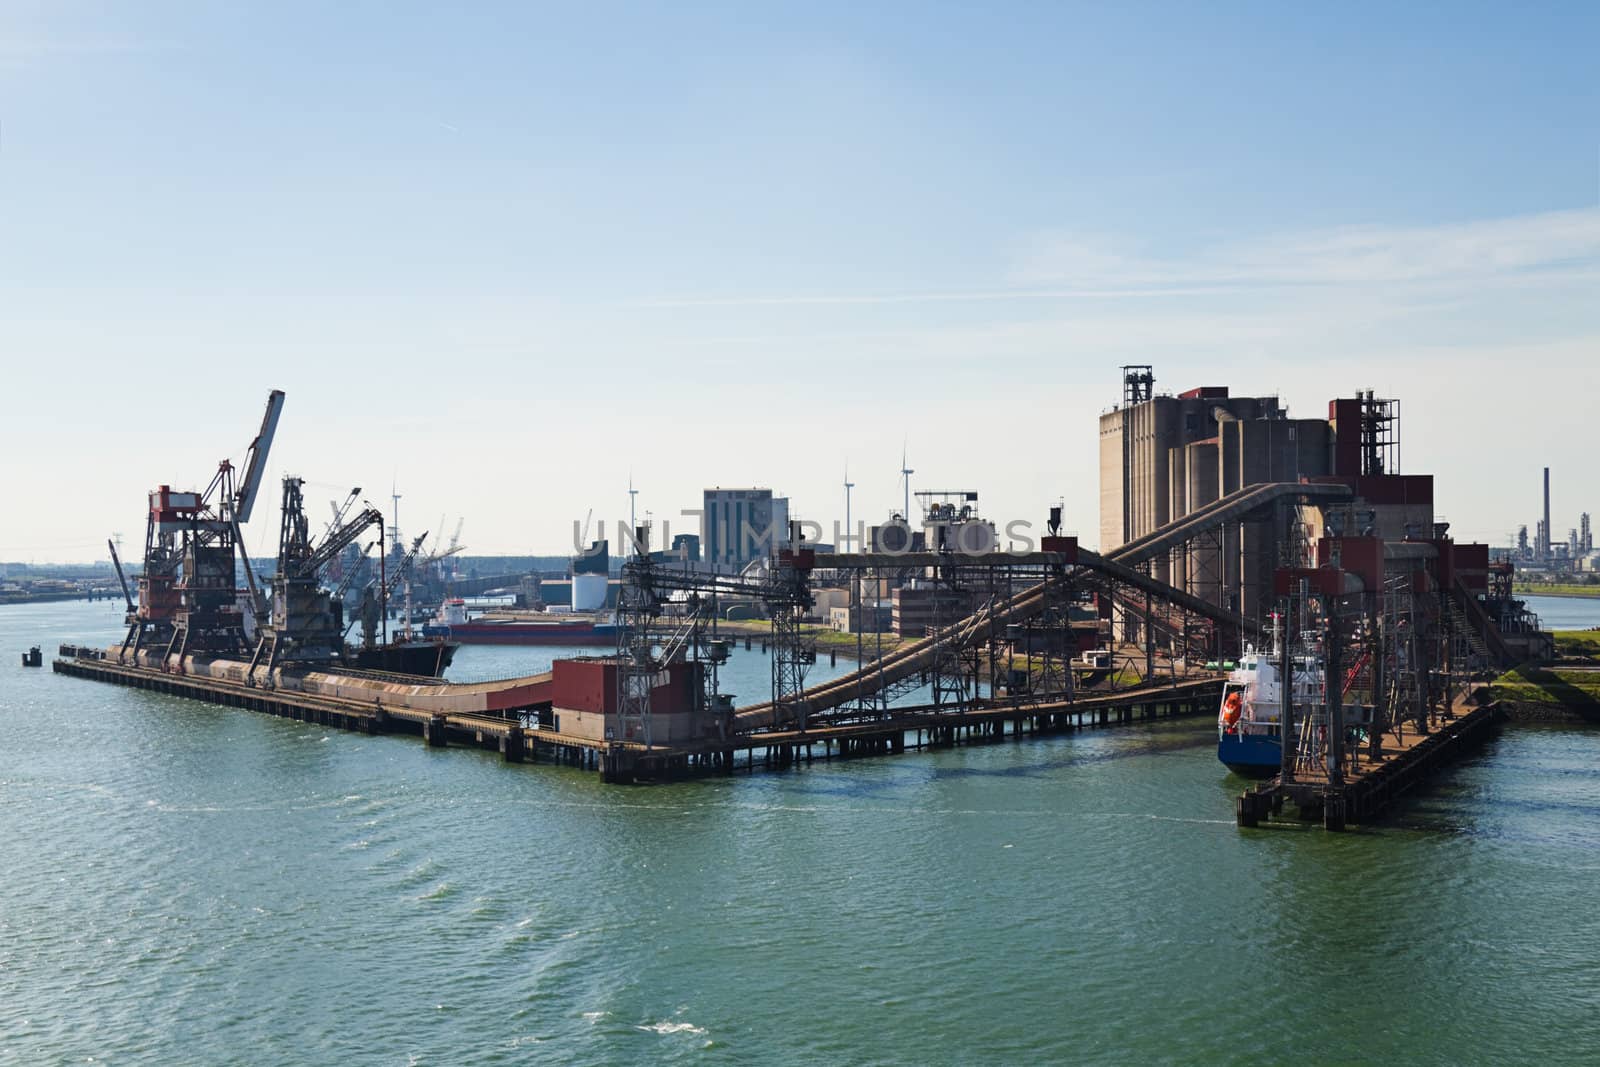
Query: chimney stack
<point>1547,537</point>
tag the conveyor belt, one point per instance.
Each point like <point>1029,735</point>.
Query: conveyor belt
<point>918,656</point>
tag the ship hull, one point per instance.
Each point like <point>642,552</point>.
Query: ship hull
<point>533,633</point>
<point>1250,756</point>
<point>427,659</point>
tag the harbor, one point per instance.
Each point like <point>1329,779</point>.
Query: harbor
<point>1214,580</point>
<point>829,534</point>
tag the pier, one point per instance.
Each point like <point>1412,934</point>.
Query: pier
<point>1361,792</point>
<point>522,734</point>
<point>507,732</point>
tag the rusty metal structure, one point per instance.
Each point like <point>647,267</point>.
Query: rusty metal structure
<point>667,616</point>
<point>188,595</point>
<point>306,625</point>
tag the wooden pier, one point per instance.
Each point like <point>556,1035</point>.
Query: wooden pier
<point>509,735</point>
<point>923,727</point>
<point>1368,789</point>
<point>521,737</point>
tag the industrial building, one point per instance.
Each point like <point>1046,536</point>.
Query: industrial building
<point>870,617</point>
<point>920,607</point>
<point>741,525</point>
<point>1163,457</point>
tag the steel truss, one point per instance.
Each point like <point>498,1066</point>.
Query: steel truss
<point>649,639</point>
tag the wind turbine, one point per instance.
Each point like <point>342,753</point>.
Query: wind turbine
<point>849,531</point>
<point>394,494</point>
<point>633,522</point>
<point>906,473</point>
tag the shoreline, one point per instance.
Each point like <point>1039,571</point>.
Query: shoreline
<point>1560,596</point>
<point>1530,712</point>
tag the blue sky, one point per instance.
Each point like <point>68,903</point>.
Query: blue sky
<point>509,254</point>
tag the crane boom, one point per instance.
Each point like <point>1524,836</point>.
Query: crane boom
<point>341,509</point>
<point>350,575</point>
<point>401,569</point>
<point>335,542</point>
<point>118,564</point>
<point>255,464</point>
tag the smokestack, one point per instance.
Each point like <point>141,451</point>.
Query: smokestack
<point>1547,536</point>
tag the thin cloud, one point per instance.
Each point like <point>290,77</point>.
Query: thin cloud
<point>929,297</point>
<point>1546,247</point>
<point>1345,255</point>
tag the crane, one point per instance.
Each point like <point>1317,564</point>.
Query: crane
<point>386,588</point>
<point>318,558</point>
<point>341,509</point>
<point>304,626</point>
<point>112,545</point>
<point>193,545</point>
<point>403,569</point>
<point>255,458</point>
<point>350,575</point>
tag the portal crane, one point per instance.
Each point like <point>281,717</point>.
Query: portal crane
<point>306,624</point>
<point>188,596</point>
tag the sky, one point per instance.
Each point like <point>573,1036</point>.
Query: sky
<point>504,258</point>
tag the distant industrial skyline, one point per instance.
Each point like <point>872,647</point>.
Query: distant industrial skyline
<point>508,263</point>
<point>1546,545</point>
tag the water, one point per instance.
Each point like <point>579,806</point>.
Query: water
<point>196,884</point>
<point>1565,612</point>
<point>747,675</point>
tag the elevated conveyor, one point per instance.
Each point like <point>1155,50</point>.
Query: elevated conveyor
<point>1119,565</point>
<point>1232,508</point>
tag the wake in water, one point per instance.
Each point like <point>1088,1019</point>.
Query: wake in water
<point>671,1028</point>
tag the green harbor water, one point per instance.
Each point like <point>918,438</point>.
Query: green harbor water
<point>186,883</point>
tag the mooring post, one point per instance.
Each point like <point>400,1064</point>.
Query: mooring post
<point>433,730</point>
<point>512,744</point>
<point>1245,810</point>
<point>1333,811</point>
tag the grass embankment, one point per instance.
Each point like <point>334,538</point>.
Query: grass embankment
<point>1573,692</point>
<point>825,637</point>
<point>1584,644</point>
<point>1555,589</point>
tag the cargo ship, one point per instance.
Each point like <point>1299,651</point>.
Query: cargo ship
<point>452,623</point>
<point>587,623</point>
<point>423,657</point>
<point>1249,730</point>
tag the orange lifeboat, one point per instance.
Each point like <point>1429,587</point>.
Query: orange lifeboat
<point>1231,709</point>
